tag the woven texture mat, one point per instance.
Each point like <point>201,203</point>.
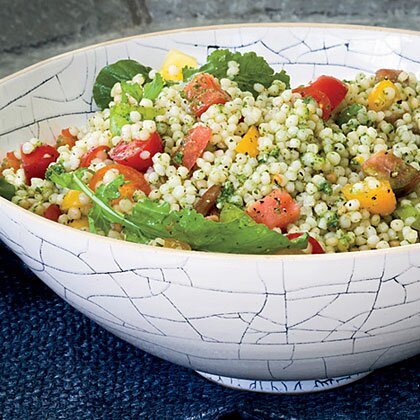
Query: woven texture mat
<point>57,364</point>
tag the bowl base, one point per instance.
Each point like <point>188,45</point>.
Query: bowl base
<point>284,387</point>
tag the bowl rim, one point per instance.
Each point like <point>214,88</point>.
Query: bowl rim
<point>205,254</point>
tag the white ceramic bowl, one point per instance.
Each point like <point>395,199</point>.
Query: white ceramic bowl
<point>268,323</point>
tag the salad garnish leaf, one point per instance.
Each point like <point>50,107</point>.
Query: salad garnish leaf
<point>7,190</point>
<point>120,71</point>
<point>120,115</point>
<point>153,88</point>
<point>132,89</point>
<point>252,69</point>
<point>236,233</point>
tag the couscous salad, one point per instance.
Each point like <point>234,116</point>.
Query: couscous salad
<point>226,157</point>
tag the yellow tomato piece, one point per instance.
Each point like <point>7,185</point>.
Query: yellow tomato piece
<point>82,223</point>
<point>383,95</point>
<point>249,143</point>
<point>71,199</point>
<point>174,62</point>
<point>374,195</point>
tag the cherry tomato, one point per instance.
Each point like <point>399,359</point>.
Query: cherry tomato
<point>383,95</point>
<point>10,162</point>
<point>193,145</point>
<point>323,101</point>
<point>316,247</point>
<point>277,209</point>
<point>334,90</point>
<point>402,177</point>
<point>66,138</point>
<point>36,163</point>
<point>52,212</point>
<point>203,91</point>
<point>387,74</point>
<point>131,176</point>
<point>98,152</point>
<point>137,153</point>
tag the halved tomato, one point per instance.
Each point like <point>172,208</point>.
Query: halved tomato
<point>36,163</point>
<point>277,209</point>
<point>203,91</point>
<point>137,153</point>
<point>52,212</point>
<point>98,152</point>
<point>327,91</point>
<point>193,146</point>
<point>316,247</point>
<point>320,97</point>
<point>131,176</point>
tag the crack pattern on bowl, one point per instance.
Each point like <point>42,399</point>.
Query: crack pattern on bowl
<point>273,319</point>
<point>243,317</point>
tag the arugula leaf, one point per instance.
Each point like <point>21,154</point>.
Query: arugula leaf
<point>134,90</point>
<point>100,217</point>
<point>153,88</point>
<point>252,69</point>
<point>7,190</point>
<point>236,233</point>
<point>117,72</point>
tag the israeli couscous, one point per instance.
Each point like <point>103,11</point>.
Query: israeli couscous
<point>226,157</point>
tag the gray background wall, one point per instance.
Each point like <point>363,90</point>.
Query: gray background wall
<point>32,30</point>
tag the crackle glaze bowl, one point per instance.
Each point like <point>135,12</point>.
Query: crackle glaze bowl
<point>264,323</point>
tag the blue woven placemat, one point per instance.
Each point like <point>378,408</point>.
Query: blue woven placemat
<point>57,364</point>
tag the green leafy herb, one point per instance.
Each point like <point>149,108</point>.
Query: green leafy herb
<point>178,158</point>
<point>7,190</point>
<point>252,69</point>
<point>58,175</point>
<point>236,233</point>
<point>349,113</point>
<point>120,71</point>
<point>100,218</point>
<point>325,187</point>
<point>275,152</point>
<point>132,89</point>
<point>119,115</point>
<point>153,88</point>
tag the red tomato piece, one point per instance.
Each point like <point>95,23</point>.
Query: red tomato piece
<point>36,163</point>
<point>335,89</point>
<point>277,209</point>
<point>193,145</point>
<point>316,247</point>
<point>320,97</point>
<point>203,91</point>
<point>327,91</point>
<point>137,153</point>
<point>131,176</point>
<point>52,212</point>
<point>10,162</point>
<point>98,152</point>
